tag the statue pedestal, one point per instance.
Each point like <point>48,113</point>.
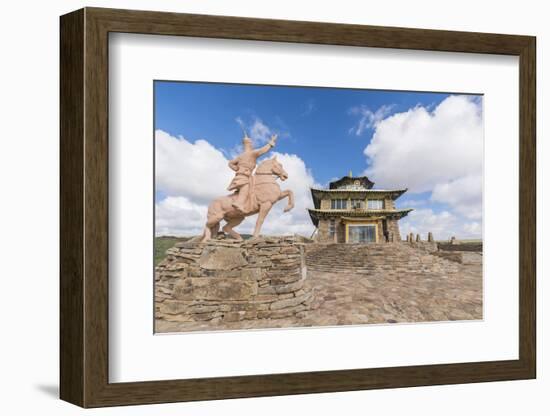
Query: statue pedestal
<point>227,281</point>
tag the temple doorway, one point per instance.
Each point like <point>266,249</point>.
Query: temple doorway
<point>362,233</point>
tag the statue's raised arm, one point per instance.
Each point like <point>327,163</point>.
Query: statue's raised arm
<point>264,149</point>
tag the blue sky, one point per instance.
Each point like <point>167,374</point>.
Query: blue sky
<point>312,122</point>
<point>329,129</point>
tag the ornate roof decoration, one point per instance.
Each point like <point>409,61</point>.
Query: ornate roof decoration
<point>352,183</point>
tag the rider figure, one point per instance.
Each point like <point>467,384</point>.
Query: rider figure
<point>244,165</point>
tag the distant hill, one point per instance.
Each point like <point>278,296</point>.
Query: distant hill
<point>164,243</point>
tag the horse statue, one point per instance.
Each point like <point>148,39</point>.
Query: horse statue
<point>264,193</point>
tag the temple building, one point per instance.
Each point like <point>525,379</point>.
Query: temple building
<point>351,211</point>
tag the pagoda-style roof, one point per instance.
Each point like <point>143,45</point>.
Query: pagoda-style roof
<point>317,194</point>
<point>316,214</point>
<point>352,182</point>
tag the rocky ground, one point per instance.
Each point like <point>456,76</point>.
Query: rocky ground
<point>385,284</point>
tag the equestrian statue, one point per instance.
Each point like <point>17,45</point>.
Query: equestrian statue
<point>255,191</point>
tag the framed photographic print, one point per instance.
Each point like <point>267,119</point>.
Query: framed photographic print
<point>255,207</point>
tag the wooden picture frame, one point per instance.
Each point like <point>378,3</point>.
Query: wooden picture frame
<point>84,207</point>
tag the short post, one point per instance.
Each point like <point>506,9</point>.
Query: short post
<point>430,237</point>
<point>418,238</point>
<point>411,237</point>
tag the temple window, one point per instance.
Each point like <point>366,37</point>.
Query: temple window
<point>375,204</point>
<point>357,203</point>
<point>339,204</point>
<point>331,228</point>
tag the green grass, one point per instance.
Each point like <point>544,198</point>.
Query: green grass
<point>164,243</point>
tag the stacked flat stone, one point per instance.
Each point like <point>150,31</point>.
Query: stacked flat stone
<point>462,257</point>
<point>229,280</point>
<point>385,260</point>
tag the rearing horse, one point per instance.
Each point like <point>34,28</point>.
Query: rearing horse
<point>264,193</point>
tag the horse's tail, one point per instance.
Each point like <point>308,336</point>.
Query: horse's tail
<point>202,237</point>
<point>211,215</point>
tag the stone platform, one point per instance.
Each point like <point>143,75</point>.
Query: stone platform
<point>223,281</point>
<point>354,285</point>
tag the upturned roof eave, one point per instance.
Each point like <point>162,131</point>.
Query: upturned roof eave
<point>395,193</point>
<point>313,217</point>
<point>316,213</point>
<point>315,198</point>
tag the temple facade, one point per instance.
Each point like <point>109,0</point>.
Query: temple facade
<point>351,211</point>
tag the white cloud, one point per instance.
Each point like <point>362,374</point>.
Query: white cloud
<point>192,174</point>
<point>443,225</point>
<point>420,149</point>
<point>415,203</point>
<point>197,170</point>
<point>367,118</point>
<point>177,215</point>
<point>257,130</point>
<point>260,132</point>
<point>464,195</point>
<point>438,151</point>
